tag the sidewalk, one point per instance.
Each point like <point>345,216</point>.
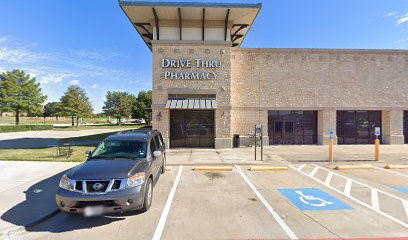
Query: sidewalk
<point>396,154</point>
<point>27,192</point>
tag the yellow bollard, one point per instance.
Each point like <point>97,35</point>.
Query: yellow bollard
<point>330,150</point>
<point>377,149</point>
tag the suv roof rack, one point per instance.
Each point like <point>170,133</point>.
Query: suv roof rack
<point>143,130</point>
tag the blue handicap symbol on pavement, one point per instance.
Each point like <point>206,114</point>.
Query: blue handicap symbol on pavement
<point>402,189</point>
<point>313,199</point>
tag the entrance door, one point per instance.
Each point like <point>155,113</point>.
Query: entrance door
<point>283,132</point>
<point>357,127</point>
<point>192,128</point>
<point>292,127</point>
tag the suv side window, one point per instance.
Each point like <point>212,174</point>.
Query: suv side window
<point>161,139</point>
<point>153,146</point>
<point>159,143</point>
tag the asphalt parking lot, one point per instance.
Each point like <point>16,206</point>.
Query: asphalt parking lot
<point>307,201</point>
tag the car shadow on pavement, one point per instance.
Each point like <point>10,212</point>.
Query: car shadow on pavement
<point>39,213</point>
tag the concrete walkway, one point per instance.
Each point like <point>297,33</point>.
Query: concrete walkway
<point>283,154</point>
<point>27,192</point>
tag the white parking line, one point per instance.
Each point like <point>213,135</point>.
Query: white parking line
<point>374,199</point>
<point>386,170</point>
<point>278,219</point>
<point>347,187</point>
<point>313,172</point>
<point>328,178</point>
<point>165,213</point>
<point>375,205</point>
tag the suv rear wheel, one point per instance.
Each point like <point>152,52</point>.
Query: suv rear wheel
<point>148,196</point>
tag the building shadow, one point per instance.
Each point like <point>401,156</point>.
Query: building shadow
<point>39,213</point>
<point>88,140</point>
<point>27,143</point>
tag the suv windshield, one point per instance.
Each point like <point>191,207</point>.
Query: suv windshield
<point>120,149</point>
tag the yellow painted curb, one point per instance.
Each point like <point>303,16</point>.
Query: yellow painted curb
<point>396,166</point>
<point>267,168</point>
<point>204,168</point>
<point>355,167</point>
<point>168,169</point>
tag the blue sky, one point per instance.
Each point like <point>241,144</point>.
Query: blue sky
<point>91,42</point>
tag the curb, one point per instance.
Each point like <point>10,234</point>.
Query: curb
<point>259,169</point>
<point>32,223</point>
<point>42,218</point>
<point>218,164</point>
<point>356,167</point>
<point>207,168</point>
<point>396,166</point>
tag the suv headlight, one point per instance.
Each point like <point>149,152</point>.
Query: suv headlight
<point>135,180</point>
<point>66,183</point>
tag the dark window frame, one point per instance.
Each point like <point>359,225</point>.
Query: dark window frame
<point>303,123</point>
<point>358,132</point>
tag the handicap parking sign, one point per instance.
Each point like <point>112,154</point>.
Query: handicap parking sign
<point>402,189</point>
<point>313,199</point>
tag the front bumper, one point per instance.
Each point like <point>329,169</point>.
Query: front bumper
<point>115,201</point>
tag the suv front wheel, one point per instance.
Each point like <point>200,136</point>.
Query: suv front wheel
<point>148,196</point>
<point>163,167</point>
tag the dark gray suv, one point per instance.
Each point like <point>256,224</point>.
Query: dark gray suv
<point>118,175</point>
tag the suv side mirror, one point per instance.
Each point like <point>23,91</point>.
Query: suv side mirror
<point>88,153</point>
<point>156,153</point>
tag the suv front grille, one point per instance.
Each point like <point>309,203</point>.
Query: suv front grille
<point>99,186</point>
<point>78,186</point>
<point>96,186</point>
<point>116,184</point>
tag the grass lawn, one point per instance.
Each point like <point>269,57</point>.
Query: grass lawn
<point>44,154</point>
<point>81,144</point>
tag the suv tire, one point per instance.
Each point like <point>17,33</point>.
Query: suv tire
<point>148,198</point>
<point>163,167</point>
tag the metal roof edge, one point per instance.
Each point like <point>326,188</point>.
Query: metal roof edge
<point>250,26</point>
<point>189,4</point>
<point>345,50</point>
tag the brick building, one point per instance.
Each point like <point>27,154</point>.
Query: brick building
<point>206,88</point>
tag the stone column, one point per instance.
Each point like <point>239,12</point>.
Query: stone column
<point>393,127</point>
<point>160,122</point>
<point>264,122</point>
<point>223,137</point>
<point>326,120</point>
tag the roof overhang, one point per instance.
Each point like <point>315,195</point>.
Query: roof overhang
<point>149,17</point>
<point>199,103</point>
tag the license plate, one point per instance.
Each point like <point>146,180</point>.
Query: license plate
<point>91,211</point>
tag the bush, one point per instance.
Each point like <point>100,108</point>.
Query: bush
<point>22,128</point>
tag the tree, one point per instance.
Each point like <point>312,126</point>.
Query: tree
<point>52,109</point>
<point>75,103</point>
<point>143,104</point>
<point>118,105</point>
<point>19,92</point>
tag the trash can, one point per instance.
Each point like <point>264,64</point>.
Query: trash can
<point>236,141</point>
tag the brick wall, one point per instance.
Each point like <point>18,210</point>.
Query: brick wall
<point>316,79</point>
